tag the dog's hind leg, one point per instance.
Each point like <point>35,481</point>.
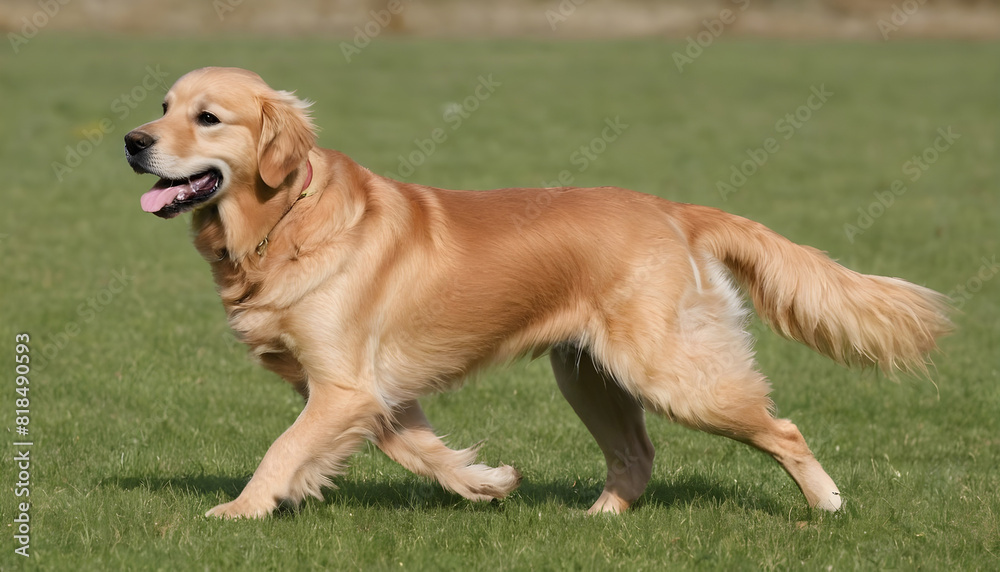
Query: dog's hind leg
<point>745,416</point>
<point>719,391</point>
<point>614,418</point>
<point>698,368</point>
<point>781,439</point>
<point>409,439</point>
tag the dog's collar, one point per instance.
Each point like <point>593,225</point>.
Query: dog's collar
<point>309,178</point>
<point>262,245</point>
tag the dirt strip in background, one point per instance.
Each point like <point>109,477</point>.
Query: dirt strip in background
<point>850,19</point>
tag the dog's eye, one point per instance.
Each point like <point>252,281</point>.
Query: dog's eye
<point>164,107</point>
<point>206,118</point>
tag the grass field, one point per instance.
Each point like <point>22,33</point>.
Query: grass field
<point>144,412</point>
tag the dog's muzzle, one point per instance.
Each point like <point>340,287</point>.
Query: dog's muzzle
<point>169,197</point>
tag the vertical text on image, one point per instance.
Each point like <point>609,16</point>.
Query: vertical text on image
<point>22,445</point>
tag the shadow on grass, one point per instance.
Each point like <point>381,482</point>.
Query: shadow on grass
<point>204,485</point>
<point>698,490</point>
<point>415,493</point>
<point>689,490</point>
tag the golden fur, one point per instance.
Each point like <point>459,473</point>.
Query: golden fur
<point>372,293</point>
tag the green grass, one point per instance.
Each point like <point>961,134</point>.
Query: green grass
<point>150,414</point>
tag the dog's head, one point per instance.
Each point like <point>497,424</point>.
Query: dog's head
<point>223,131</point>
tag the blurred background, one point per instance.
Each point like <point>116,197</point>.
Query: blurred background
<point>475,18</point>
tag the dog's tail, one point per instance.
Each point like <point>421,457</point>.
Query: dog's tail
<point>855,319</point>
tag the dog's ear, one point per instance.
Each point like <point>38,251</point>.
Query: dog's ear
<point>286,136</point>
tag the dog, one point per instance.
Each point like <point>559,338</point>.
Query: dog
<point>366,293</point>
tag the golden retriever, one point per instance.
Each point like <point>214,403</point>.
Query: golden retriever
<point>366,293</point>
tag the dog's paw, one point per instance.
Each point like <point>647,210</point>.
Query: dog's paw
<point>240,508</point>
<point>484,483</point>
<point>832,503</point>
<point>609,503</point>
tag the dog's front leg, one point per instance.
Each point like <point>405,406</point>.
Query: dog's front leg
<point>300,462</point>
<point>409,440</point>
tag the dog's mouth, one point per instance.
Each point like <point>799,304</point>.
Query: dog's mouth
<point>171,197</point>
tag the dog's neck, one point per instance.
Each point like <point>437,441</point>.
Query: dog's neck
<point>261,249</point>
<point>234,228</point>
<point>229,243</point>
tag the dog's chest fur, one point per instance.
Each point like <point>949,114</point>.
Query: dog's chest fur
<point>240,284</point>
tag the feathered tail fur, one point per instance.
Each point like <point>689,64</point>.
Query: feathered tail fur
<point>853,318</point>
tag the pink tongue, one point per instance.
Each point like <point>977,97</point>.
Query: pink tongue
<point>155,199</point>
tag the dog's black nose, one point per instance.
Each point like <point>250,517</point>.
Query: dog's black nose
<point>137,141</point>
